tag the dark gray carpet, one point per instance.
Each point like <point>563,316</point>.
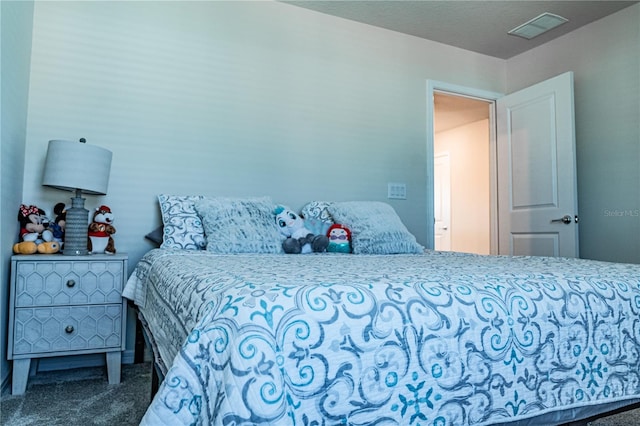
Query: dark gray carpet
<point>83,397</point>
<point>80,397</point>
<point>626,418</point>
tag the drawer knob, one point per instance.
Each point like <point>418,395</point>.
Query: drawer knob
<point>71,283</point>
<point>68,329</point>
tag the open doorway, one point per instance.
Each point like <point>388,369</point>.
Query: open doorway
<point>462,173</point>
<point>544,115</point>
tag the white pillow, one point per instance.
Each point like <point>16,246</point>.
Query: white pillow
<point>375,228</point>
<point>240,225</point>
<point>182,226</point>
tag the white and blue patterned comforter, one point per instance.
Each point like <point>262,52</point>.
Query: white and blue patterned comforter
<point>433,339</point>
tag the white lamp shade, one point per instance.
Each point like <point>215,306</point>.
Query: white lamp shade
<point>77,165</point>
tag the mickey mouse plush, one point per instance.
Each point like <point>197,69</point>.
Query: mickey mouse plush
<point>59,223</point>
<point>100,230</point>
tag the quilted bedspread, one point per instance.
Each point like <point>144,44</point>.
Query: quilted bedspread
<point>427,339</point>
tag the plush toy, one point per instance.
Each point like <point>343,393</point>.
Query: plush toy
<point>29,247</point>
<point>49,247</point>
<point>298,238</point>
<point>339,239</point>
<point>25,247</point>
<point>58,224</point>
<point>100,231</point>
<point>35,233</point>
<point>33,224</point>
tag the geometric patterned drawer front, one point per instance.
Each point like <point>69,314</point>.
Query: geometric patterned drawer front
<point>68,328</point>
<point>63,282</point>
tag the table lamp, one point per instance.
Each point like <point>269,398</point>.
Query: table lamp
<point>79,167</point>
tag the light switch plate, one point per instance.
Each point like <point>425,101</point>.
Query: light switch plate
<point>397,190</point>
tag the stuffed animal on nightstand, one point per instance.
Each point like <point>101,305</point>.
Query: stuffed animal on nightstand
<point>58,224</point>
<point>299,239</point>
<point>33,224</point>
<point>100,231</point>
<point>34,233</point>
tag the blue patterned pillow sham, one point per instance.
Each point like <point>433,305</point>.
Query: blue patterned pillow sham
<point>316,217</point>
<point>182,226</point>
<point>375,228</point>
<point>240,225</point>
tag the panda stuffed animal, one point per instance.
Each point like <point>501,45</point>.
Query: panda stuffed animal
<point>100,231</point>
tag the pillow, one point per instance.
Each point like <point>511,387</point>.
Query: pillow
<point>375,228</point>
<point>316,217</point>
<point>240,225</point>
<point>155,236</point>
<point>182,226</point>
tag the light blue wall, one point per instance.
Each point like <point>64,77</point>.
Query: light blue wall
<point>236,98</point>
<point>264,98</point>
<point>16,23</point>
<point>605,59</point>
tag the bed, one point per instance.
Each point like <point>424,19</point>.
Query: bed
<point>412,338</point>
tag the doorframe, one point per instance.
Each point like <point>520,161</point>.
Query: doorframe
<point>434,86</point>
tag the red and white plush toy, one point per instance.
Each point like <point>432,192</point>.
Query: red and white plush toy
<point>100,231</point>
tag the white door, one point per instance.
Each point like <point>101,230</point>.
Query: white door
<point>537,195</point>
<point>442,201</point>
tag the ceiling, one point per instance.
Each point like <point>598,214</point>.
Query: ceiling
<point>452,111</point>
<point>478,26</point>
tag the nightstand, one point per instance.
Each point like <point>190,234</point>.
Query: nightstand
<point>66,305</point>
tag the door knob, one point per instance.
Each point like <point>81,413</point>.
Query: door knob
<point>566,219</point>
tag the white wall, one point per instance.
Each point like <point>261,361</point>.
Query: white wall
<point>235,98</point>
<point>468,148</point>
<point>16,23</point>
<point>605,59</point>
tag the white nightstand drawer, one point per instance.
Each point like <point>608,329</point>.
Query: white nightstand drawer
<point>68,328</point>
<point>67,282</point>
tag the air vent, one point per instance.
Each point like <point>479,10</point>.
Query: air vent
<point>538,25</point>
